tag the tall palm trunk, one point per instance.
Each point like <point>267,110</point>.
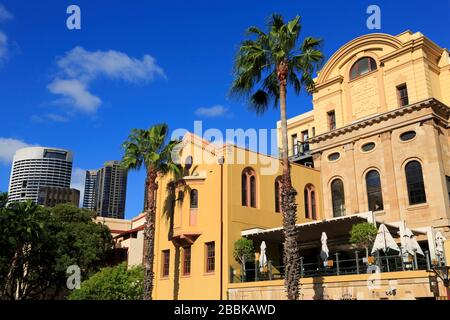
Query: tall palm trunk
<point>149,235</point>
<point>289,207</point>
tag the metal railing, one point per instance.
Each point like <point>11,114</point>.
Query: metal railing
<point>335,266</point>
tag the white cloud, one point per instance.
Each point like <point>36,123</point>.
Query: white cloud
<point>3,46</point>
<point>78,180</point>
<point>50,117</point>
<point>212,112</point>
<point>79,68</point>
<point>8,148</point>
<point>5,15</point>
<point>75,93</point>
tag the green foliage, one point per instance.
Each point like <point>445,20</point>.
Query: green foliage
<point>244,250</point>
<point>37,245</point>
<point>363,235</point>
<point>3,199</point>
<point>259,58</point>
<point>112,283</point>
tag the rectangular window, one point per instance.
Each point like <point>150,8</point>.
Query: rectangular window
<point>331,120</point>
<point>165,263</point>
<point>210,257</point>
<point>186,261</point>
<point>313,131</point>
<point>305,137</point>
<point>448,186</point>
<point>402,93</point>
<point>294,144</point>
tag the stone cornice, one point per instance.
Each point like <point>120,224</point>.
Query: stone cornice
<point>428,103</point>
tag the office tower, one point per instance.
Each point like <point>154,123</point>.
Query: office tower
<point>90,189</point>
<point>111,190</point>
<point>37,167</point>
<point>52,196</point>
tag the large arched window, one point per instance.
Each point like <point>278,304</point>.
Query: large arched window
<point>362,66</point>
<point>414,182</point>
<point>310,202</point>
<point>374,193</point>
<point>278,183</point>
<point>194,199</point>
<point>249,188</point>
<point>338,198</point>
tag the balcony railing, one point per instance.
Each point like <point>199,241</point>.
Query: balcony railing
<point>299,151</point>
<point>336,267</point>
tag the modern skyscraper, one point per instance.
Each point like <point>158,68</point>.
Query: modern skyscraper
<point>90,189</point>
<point>106,190</point>
<point>38,167</point>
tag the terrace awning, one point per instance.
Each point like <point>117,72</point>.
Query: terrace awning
<point>336,229</point>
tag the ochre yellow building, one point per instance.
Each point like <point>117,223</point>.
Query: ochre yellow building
<point>375,147</point>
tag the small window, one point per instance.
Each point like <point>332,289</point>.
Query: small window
<point>313,131</point>
<point>362,67</point>
<point>368,147</point>
<point>278,182</point>
<point>248,188</point>
<point>194,199</point>
<point>166,263</point>
<point>210,257</point>
<point>409,135</point>
<point>415,184</point>
<point>24,184</point>
<point>338,198</point>
<point>334,156</point>
<point>186,261</point>
<point>331,116</point>
<point>402,94</point>
<point>374,192</point>
<point>294,145</point>
<point>310,202</point>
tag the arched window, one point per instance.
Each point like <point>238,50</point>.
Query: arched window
<point>362,66</point>
<point>414,182</point>
<point>278,194</point>
<point>310,202</point>
<point>249,188</point>
<point>338,198</point>
<point>194,199</point>
<point>374,193</point>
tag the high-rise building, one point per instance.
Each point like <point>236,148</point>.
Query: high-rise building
<point>106,190</point>
<point>53,196</point>
<point>37,167</point>
<point>90,189</point>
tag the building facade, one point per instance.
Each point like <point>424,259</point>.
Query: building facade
<point>53,196</point>
<point>111,190</point>
<point>38,167</point>
<point>378,131</point>
<point>90,188</point>
<point>374,149</point>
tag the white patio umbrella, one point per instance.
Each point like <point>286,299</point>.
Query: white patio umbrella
<point>384,240</point>
<point>324,252</point>
<point>411,244</point>
<point>262,256</point>
<point>439,239</point>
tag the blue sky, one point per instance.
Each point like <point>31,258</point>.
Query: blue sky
<point>136,63</point>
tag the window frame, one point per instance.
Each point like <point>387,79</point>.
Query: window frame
<point>371,66</point>
<point>333,202</point>
<point>187,261</point>
<point>412,191</point>
<point>210,257</point>
<point>165,267</point>
<point>249,188</point>
<point>372,194</point>
<point>400,89</point>
<point>193,195</point>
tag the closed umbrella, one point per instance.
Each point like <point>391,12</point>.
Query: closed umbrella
<point>411,244</point>
<point>324,252</point>
<point>384,240</point>
<point>262,257</point>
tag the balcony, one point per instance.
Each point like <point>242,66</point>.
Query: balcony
<point>301,154</point>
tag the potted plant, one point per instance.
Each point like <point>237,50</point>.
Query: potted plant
<point>362,236</point>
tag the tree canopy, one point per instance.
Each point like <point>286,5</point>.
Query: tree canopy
<point>38,244</point>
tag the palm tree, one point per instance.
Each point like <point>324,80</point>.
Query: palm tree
<point>152,150</point>
<point>264,66</point>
